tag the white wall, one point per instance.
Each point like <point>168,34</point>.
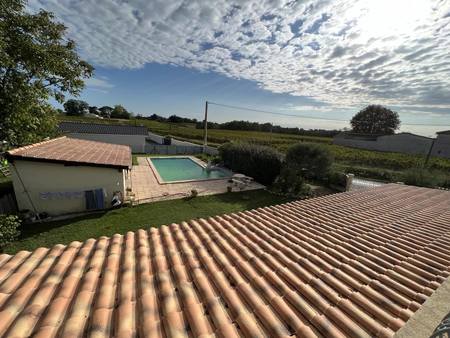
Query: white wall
<point>441,146</point>
<point>400,143</point>
<point>39,178</point>
<point>136,142</point>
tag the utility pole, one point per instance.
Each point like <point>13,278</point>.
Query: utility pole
<point>205,131</point>
<point>429,152</point>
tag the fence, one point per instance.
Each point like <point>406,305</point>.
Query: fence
<point>178,149</point>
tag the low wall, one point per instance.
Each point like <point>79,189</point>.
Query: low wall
<point>172,149</point>
<point>135,142</point>
<point>178,149</point>
<point>400,143</point>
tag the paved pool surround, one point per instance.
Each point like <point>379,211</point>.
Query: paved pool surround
<point>147,188</point>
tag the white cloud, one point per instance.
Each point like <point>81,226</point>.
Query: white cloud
<point>98,82</point>
<point>338,52</point>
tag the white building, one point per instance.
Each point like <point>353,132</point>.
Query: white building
<point>66,175</point>
<point>401,143</point>
<point>133,136</point>
<point>441,147</point>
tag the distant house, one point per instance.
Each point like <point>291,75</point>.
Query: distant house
<point>441,147</point>
<point>401,143</point>
<point>66,175</point>
<point>133,136</point>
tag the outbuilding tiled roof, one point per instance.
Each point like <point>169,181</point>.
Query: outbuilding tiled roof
<point>101,128</point>
<point>355,264</point>
<point>75,151</point>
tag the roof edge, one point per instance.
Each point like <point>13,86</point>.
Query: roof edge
<point>68,163</point>
<point>430,314</point>
<point>13,151</point>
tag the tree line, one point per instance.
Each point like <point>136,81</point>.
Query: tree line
<point>81,108</point>
<point>373,119</point>
<point>267,127</point>
<point>241,125</point>
<point>171,118</point>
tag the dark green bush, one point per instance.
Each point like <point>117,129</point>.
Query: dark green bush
<point>312,160</point>
<point>214,159</point>
<point>260,162</point>
<point>9,232</point>
<point>291,183</point>
<point>336,178</point>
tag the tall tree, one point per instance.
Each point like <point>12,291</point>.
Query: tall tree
<point>37,62</point>
<point>94,110</point>
<point>119,112</point>
<point>375,119</point>
<point>105,111</point>
<point>76,107</point>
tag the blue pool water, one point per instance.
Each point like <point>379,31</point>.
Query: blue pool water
<point>184,169</point>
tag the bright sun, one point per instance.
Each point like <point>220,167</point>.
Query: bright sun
<point>392,17</point>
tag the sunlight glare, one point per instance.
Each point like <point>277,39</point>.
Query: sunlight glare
<point>393,17</point>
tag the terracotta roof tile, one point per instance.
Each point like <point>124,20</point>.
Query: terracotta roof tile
<point>355,264</point>
<point>71,150</point>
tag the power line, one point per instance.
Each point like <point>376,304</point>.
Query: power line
<point>273,113</point>
<point>308,117</point>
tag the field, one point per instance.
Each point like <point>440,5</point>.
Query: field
<point>366,163</point>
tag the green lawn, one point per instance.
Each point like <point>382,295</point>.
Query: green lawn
<point>142,216</point>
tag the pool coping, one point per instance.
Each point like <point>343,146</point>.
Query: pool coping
<point>193,158</point>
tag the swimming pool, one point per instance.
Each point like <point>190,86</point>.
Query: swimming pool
<point>175,169</point>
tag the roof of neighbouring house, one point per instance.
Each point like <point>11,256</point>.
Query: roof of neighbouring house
<point>350,264</point>
<point>445,132</point>
<point>101,128</point>
<point>75,152</point>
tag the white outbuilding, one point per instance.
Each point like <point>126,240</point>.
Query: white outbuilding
<point>66,175</point>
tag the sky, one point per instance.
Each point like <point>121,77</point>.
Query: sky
<point>318,62</point>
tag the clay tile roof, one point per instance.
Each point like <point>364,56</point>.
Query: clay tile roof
<point>351,264</point>
<point>101,128</point>
<point>75,151</point>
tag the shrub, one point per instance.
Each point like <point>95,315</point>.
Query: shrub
<point>214,159</point>
<point>291,183</point>
<point>420,177</point>
<point>312,160</point>
<point>336,178</point>
<point>8,229</point>
<point>260,162</point>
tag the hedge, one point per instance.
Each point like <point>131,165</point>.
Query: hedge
<point>260,162</point>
